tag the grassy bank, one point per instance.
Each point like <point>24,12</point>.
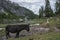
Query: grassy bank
<point>52,21</point>
<point>47,36</point>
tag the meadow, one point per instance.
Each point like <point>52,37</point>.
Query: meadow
<point>53,22</point>
<point>47,36</point>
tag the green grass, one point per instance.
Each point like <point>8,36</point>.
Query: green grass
<point>3,25</point>
<point>52,22</point>
<point>37,21</point>
<point>47,36</point>
<point>51,36</point>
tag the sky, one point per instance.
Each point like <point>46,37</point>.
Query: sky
<point>34,5</point>
<point>30,1</point>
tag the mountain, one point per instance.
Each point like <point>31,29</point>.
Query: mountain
<point>15,9</point>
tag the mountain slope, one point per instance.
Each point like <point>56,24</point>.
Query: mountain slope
<point>15,9</point>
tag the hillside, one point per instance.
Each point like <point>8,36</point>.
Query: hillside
<point>14,9</point>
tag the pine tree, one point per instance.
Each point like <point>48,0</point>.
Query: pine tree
<point>57,5</point>
<point>41,11</point>
<point>48,10</point>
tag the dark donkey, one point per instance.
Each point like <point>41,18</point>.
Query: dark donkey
<point>16,29</point>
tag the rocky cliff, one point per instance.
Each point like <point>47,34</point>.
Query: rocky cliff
<point>15,9</point>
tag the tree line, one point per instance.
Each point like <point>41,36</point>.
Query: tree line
<point>47,11</point>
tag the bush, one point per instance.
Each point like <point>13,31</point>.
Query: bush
<point>58,26</point>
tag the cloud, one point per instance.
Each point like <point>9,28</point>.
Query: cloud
<point>33,5</point>
<point>27,1</point>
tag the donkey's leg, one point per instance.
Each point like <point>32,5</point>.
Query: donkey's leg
<point>17,34</point>
<point>7,34</point>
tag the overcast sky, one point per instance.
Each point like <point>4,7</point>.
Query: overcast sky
<point>33,5</point>
<point>27,1</point>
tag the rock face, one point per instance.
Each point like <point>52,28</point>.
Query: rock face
<point>13,8</point>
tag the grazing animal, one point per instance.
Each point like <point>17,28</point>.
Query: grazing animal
<point>16,29</point>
